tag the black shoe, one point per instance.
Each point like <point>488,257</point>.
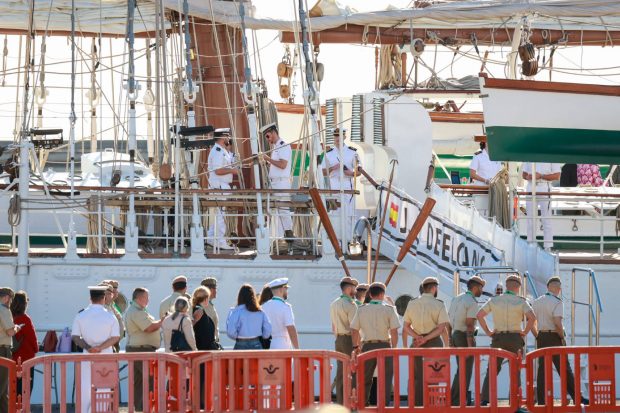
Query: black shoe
<point>585,401</point>
<point>484,403</point>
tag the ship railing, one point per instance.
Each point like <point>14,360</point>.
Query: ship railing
<point>168,223</point>
<point>594,305</point>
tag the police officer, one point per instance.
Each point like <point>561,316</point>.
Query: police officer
<point>425,319</point>
<point>360,294</point>
<point>342,310</point>
<point>221,173</point>
<point>482,169</point>
<point>549,332</point>
<point>347,156</point>
<point>279,162</point>
<point>109,305</point>
<point>209,308</point>
<point>508,311</point>
<point>96,330</point>
<point>7,331</point>
<point>179,288</point>
<point>280,313</point>
<point>462,313</point>
<point>375,326</point>
<point>142,336</point>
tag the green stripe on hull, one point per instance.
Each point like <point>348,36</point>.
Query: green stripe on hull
<point>509,143</point>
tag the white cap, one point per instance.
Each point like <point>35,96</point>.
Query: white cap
<point>278,282</point>
<point>267,127</point>
<point>102,288</point>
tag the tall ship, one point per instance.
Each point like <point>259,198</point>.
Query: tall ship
<point>111,112</point>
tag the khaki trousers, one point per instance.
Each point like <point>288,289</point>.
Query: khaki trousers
<point>369,369</point>
<point>137,375</point>
<point>5,351</point>
<point>418,370</point>
<point>459,339</point>
<point>344,345</point>
<point>512,342</point>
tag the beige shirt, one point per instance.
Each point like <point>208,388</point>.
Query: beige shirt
<point>210,311</point>
<point>462,307</point>
<point>137,319</point>
<point>6,323</point>
<point>119,318</point>
<point>425,313</point>
<point>508,310</point>
<point>167,304</point>
<point>186,325</point>
<point>341,311</point>
<point>375,320</point>
<point>547,307</point>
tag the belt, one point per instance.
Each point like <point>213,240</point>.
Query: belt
<point>248,339</point>
<point>343,335</point>
<point>279,178</point>
<point>508,332</point>
<point>6,346</point>
<point>547,331</point>
<point>145,347</point>
<point>376,341</point>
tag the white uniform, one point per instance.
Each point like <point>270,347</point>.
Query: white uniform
<point>280,314</point>
<point>281,179</point>
<point>350,160</point>
<point>219,157</point>
<point>484,167</point>
<point>95,325</point>
<point>541,201</point>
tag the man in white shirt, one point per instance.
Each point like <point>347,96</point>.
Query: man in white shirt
<point>279,161</point>
<point>545,174</point>
<point>482,169</point>
<point>221,173</point>
<point>351,166</point>
<point>280,314</point>
<point>95,330</point>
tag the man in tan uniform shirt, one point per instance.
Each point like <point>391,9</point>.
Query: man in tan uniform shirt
<point>7,331</point>
<point>375,326</point>
<point>142,336</point>
<point>341,311</point>
<point>549,332</point>
<point>109,305</point>
<point>508,311</point>
<point>179,288</point>
<point>462,313</point>
<point>211,284</point>
<point>425,320</point>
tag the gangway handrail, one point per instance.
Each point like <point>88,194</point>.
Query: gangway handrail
<point>594,300</point>
<point>501,269</point>
<point>530,282</point>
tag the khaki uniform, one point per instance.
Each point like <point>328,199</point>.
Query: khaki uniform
<point>546,308</point>
<point>121,325</point>
<point>342,311</point>
<point>424,314</point>
<point>212,314</point>
<point>6,342</point>
<point>508,311</point>
<point>137,319</point>
<point>167,304</point>
<point>374,322</point>
<point>462,307</point>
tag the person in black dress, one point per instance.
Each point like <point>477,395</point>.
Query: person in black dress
<point>204,330</point>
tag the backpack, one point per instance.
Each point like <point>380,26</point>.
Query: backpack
<point>64,342</point>
<point>50,341</point>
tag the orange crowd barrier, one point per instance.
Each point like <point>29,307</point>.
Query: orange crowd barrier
<point>600,367</point>
<point>435,364</point>
<point>274,380</point>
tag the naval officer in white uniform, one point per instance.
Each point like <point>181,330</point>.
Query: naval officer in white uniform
<point>482,169</point>
<point>545,174</point>
<point>96,330</point>
<point>280,314</point>
<point>279,161</point>
<point>221,173</point>
<point>351,166</point>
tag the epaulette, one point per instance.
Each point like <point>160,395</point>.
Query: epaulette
<point>477,152</point>
<point>330,149</point>
<point>281,142</point>
<point>218,149</point>
<point>352,148</point>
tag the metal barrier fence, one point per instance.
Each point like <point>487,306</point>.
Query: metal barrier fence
<point>263,381</point>
<point>436,380</point>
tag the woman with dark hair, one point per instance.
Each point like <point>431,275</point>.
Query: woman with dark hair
<point>25,345</point>
<point>247,323</point>
<point>265,295</point>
